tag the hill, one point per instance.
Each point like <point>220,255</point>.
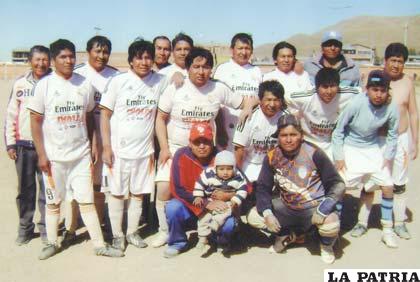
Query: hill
<point>366,30</point>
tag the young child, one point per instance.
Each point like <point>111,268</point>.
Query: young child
<point>223,176</point>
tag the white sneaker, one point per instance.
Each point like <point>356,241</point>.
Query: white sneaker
<point>389,238</point>
<point>327,254</point>
<point>160,240</point>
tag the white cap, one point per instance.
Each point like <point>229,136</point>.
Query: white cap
<point>225,158</point>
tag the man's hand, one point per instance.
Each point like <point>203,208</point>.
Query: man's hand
<point>272,223</point>
<point>198,202</point>
<point>236,211</point>
<point>12,154</point>
<point>340,165</point>
<point>164,156</point>
<point>178,79</point>
<point>217,206</point>
<point>317,219</point>
<point>44,163</point>
<point>222,195</point>
<point>108,156</point>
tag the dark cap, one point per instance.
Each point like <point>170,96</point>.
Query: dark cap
<point>378,78</point>
<point>286,120</point>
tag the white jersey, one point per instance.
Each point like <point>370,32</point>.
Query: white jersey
<point>318,118</point>
<point>133,102</point>
<point>290,81</point>
<point>255,137</point>
<point>171,69</point>
<point>242,80</point>
<point>64,103</point>
<point>189,104</point>
<point>99,80</point>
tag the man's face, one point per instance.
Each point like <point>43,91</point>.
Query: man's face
<point>327,92</point>
<point>162,51</point>
<point>64,63</point>
<point>270,104</point>
<point>142,65</point>
<point>378,95</point>
<point>285,60</point>
<point>241,52</point>
<point>99,57</point>
<point>199,71</point>
<point>181,50</point>
<point>331,49</point>
<point>289,139</point>
<point>201,147</point>
<point>394,66</point>
<point>40,63</point>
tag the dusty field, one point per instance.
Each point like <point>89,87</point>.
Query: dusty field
<point>253,264</point>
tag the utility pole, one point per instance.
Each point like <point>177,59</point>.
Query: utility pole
<point>97,30</point>
<point>405,33</point>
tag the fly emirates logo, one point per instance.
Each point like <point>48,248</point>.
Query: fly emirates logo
<point>71,113</point>
<point>196,114</point>
<point>141,106</point>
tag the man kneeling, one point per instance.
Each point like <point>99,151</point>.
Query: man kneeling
<point>298,187</point>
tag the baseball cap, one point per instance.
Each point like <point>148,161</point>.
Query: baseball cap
<point>286,120</point>
<point>201,130</point>
<point>224,158</point>
<point>378,78</point>
<point>332,35</point>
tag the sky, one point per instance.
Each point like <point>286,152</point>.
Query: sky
<point>24,23</point>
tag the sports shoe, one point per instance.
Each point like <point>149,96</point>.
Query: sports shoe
<point>68,238</point>
<point>23,240</point>
<point>171,252</point>
<point>135,240</point>
<point>203,248</point>
<point>119,243</point>
<point>358,230</point>
<point>281,242</point>
<point>48,251</point>
<point>402,231</point>
<point>389,238</point>
<point>160,240</point>
<point>327,254</point>
<point>109,251</point>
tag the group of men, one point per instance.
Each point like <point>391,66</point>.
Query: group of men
<point>89,133</point>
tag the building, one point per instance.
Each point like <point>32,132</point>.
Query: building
<point>20,55</point>
<point>359,53</point>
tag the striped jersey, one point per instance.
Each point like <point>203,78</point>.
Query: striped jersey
<point>210,182</point>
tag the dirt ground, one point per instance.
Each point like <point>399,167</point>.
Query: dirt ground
<point>255,263</point>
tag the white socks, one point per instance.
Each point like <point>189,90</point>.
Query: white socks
<point>160,210</point>
<point>400,205</point>
<point>52,217</point>
<point>133,214</point>
<point>90,218</point>
<point>116,212</point>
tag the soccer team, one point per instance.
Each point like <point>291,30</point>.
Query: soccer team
<point>275,151</point>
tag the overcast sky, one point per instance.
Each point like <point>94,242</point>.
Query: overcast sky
<point>24,23</point>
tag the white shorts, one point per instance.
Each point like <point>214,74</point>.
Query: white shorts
<point>364,165</point>
<point>134,176</point>
<point>69,179</point>
<point>164,171</point>
<point>252,171</point>
<point>402,158</point>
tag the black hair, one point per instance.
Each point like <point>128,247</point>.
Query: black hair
<point>182,37</point>
<point>244,38</point>
<point>396,50</point>
<point>327,76</point>
<point>99,40</point>
<point>138,47</point>
<point>274,87</point>
<point>61,44</point>
<point>38,49</point>
<point>161,37</point>
<point>281,45</point>
<point>199,52</point>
